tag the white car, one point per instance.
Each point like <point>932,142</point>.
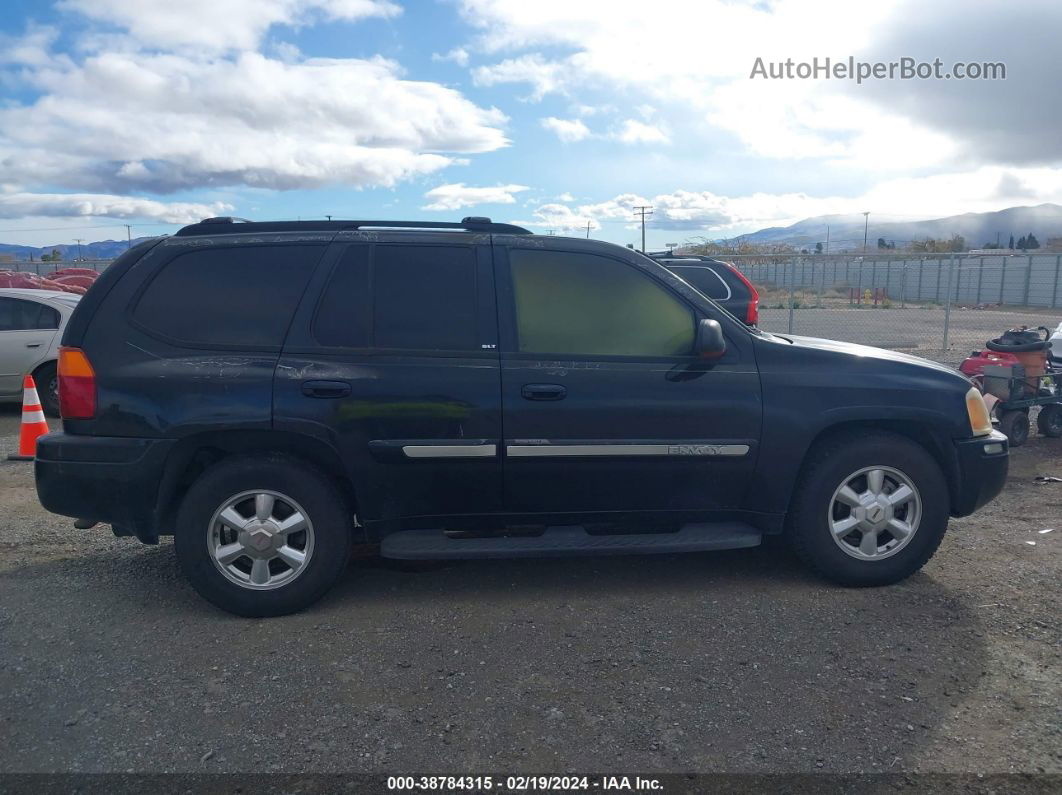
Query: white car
<point>31,325</point>
<point>1056,347</point>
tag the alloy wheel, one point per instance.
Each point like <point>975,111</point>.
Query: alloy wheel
<point>874,513</point>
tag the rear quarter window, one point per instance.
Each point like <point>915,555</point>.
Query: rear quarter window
<point>705,279</point>
<point>232,297</point>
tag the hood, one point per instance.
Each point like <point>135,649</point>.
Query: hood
<point>867,352</point>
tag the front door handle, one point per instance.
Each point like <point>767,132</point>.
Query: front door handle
<point>325,389</point>
<point>543,391</point>
<point>33,344</point>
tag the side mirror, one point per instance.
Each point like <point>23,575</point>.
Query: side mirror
<point>710,344</point>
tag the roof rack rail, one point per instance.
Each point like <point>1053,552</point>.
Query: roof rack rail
<point>471,223</point>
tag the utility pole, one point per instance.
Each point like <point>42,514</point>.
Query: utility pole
<point>128,236</point>
<point>588,229</point>
<point>78,239</point>
<point>643,210</point>
<point>827,239</point>
<point>328,217</point>
<point>866,225</point>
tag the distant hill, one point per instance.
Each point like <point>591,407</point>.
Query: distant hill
<point>846,231</point>
<point>102,249</point>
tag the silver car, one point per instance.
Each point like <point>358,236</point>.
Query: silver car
<point>31,325</point>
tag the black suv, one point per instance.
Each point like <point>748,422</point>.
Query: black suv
<point>718,280</point>
<point>274,393</point>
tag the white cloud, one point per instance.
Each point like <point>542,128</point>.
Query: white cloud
<point>163,122</point>
<point>560,218</point>
<point>458,55</point>
<point>33,48</point>
<point>568,130</point>
<point>233,25</point>
<point>80,205</point>
<point>696,59</point>
<point>565,197</point>
<point>981,190</point>
<point>544,76</point>
<point>633,131</point>
<point>458,195</point>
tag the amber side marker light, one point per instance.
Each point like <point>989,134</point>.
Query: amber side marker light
<point>77,385</point>
<point>980,420</point>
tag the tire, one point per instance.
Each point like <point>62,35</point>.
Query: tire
<point>238,585</point>
<point>1049,421</point>
<point>1015,424</point>
<point>46,378</point>
<point>815,509</point>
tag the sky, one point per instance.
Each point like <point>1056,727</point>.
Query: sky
<point>554,114</point>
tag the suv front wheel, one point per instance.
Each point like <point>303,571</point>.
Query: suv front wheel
<point>262,536</point>
<point>869,509</point>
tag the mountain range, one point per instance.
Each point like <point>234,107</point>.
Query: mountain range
<point>846,231</point>
<point>101,249</point>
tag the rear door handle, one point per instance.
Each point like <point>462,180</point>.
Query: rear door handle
<point>543,391</point>
<point>325,389</point>
<point>33,344</point>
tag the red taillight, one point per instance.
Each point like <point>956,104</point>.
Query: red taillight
<point>77,385</point>
<point>752,315</point>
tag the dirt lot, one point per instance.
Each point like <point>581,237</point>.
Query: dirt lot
<point>735,661</point>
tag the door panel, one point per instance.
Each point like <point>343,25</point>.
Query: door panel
<point>619,432</point>
<point>22,343</point>
<point>417,427</point>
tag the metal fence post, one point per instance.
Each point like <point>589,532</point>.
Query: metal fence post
<point>1028,278</point>
<point>921,269</point>
<point>792,279</point>
<point>822,285</point>
<point>1002,277</point>
<point>1054,293</point>
<point>940,268</point>
<point>947,304</point>
<point>980,279</point>
<point>903,285</point>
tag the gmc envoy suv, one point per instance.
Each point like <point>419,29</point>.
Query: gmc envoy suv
<point>275,394</point>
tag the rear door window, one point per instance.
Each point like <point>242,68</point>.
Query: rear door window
<point>238,297</point>
<point>17,314</point>
<point>405,297</point>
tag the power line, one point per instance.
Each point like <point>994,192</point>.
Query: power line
<point>643,210</point>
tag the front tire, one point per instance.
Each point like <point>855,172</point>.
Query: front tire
<point>869,509</point>
<point>262,536</point>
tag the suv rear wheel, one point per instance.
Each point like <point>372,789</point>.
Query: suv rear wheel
<point>262,536</point>
<point>869,509</point>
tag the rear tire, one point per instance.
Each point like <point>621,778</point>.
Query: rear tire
<point>1015,424</point>
<point>46,378</point>
<point>1049,421</point>
<point>819,511</point>
<point>263,536</point>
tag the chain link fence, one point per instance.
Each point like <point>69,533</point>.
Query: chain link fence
<point>937,306</point>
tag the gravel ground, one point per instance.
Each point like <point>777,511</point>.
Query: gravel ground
<point>917,330</point>
<point>736,661</point>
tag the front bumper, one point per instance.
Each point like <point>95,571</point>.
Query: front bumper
<point>103,478</point>
<point>982,465</point>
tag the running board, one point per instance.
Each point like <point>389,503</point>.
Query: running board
<point>567,541</point>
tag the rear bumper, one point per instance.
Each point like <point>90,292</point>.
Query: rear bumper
<point>982,471</point>
<point>104,478</point>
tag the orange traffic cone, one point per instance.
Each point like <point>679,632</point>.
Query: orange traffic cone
<point>33,422</point>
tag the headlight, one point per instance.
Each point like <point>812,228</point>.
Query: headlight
<point>980,420</point>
